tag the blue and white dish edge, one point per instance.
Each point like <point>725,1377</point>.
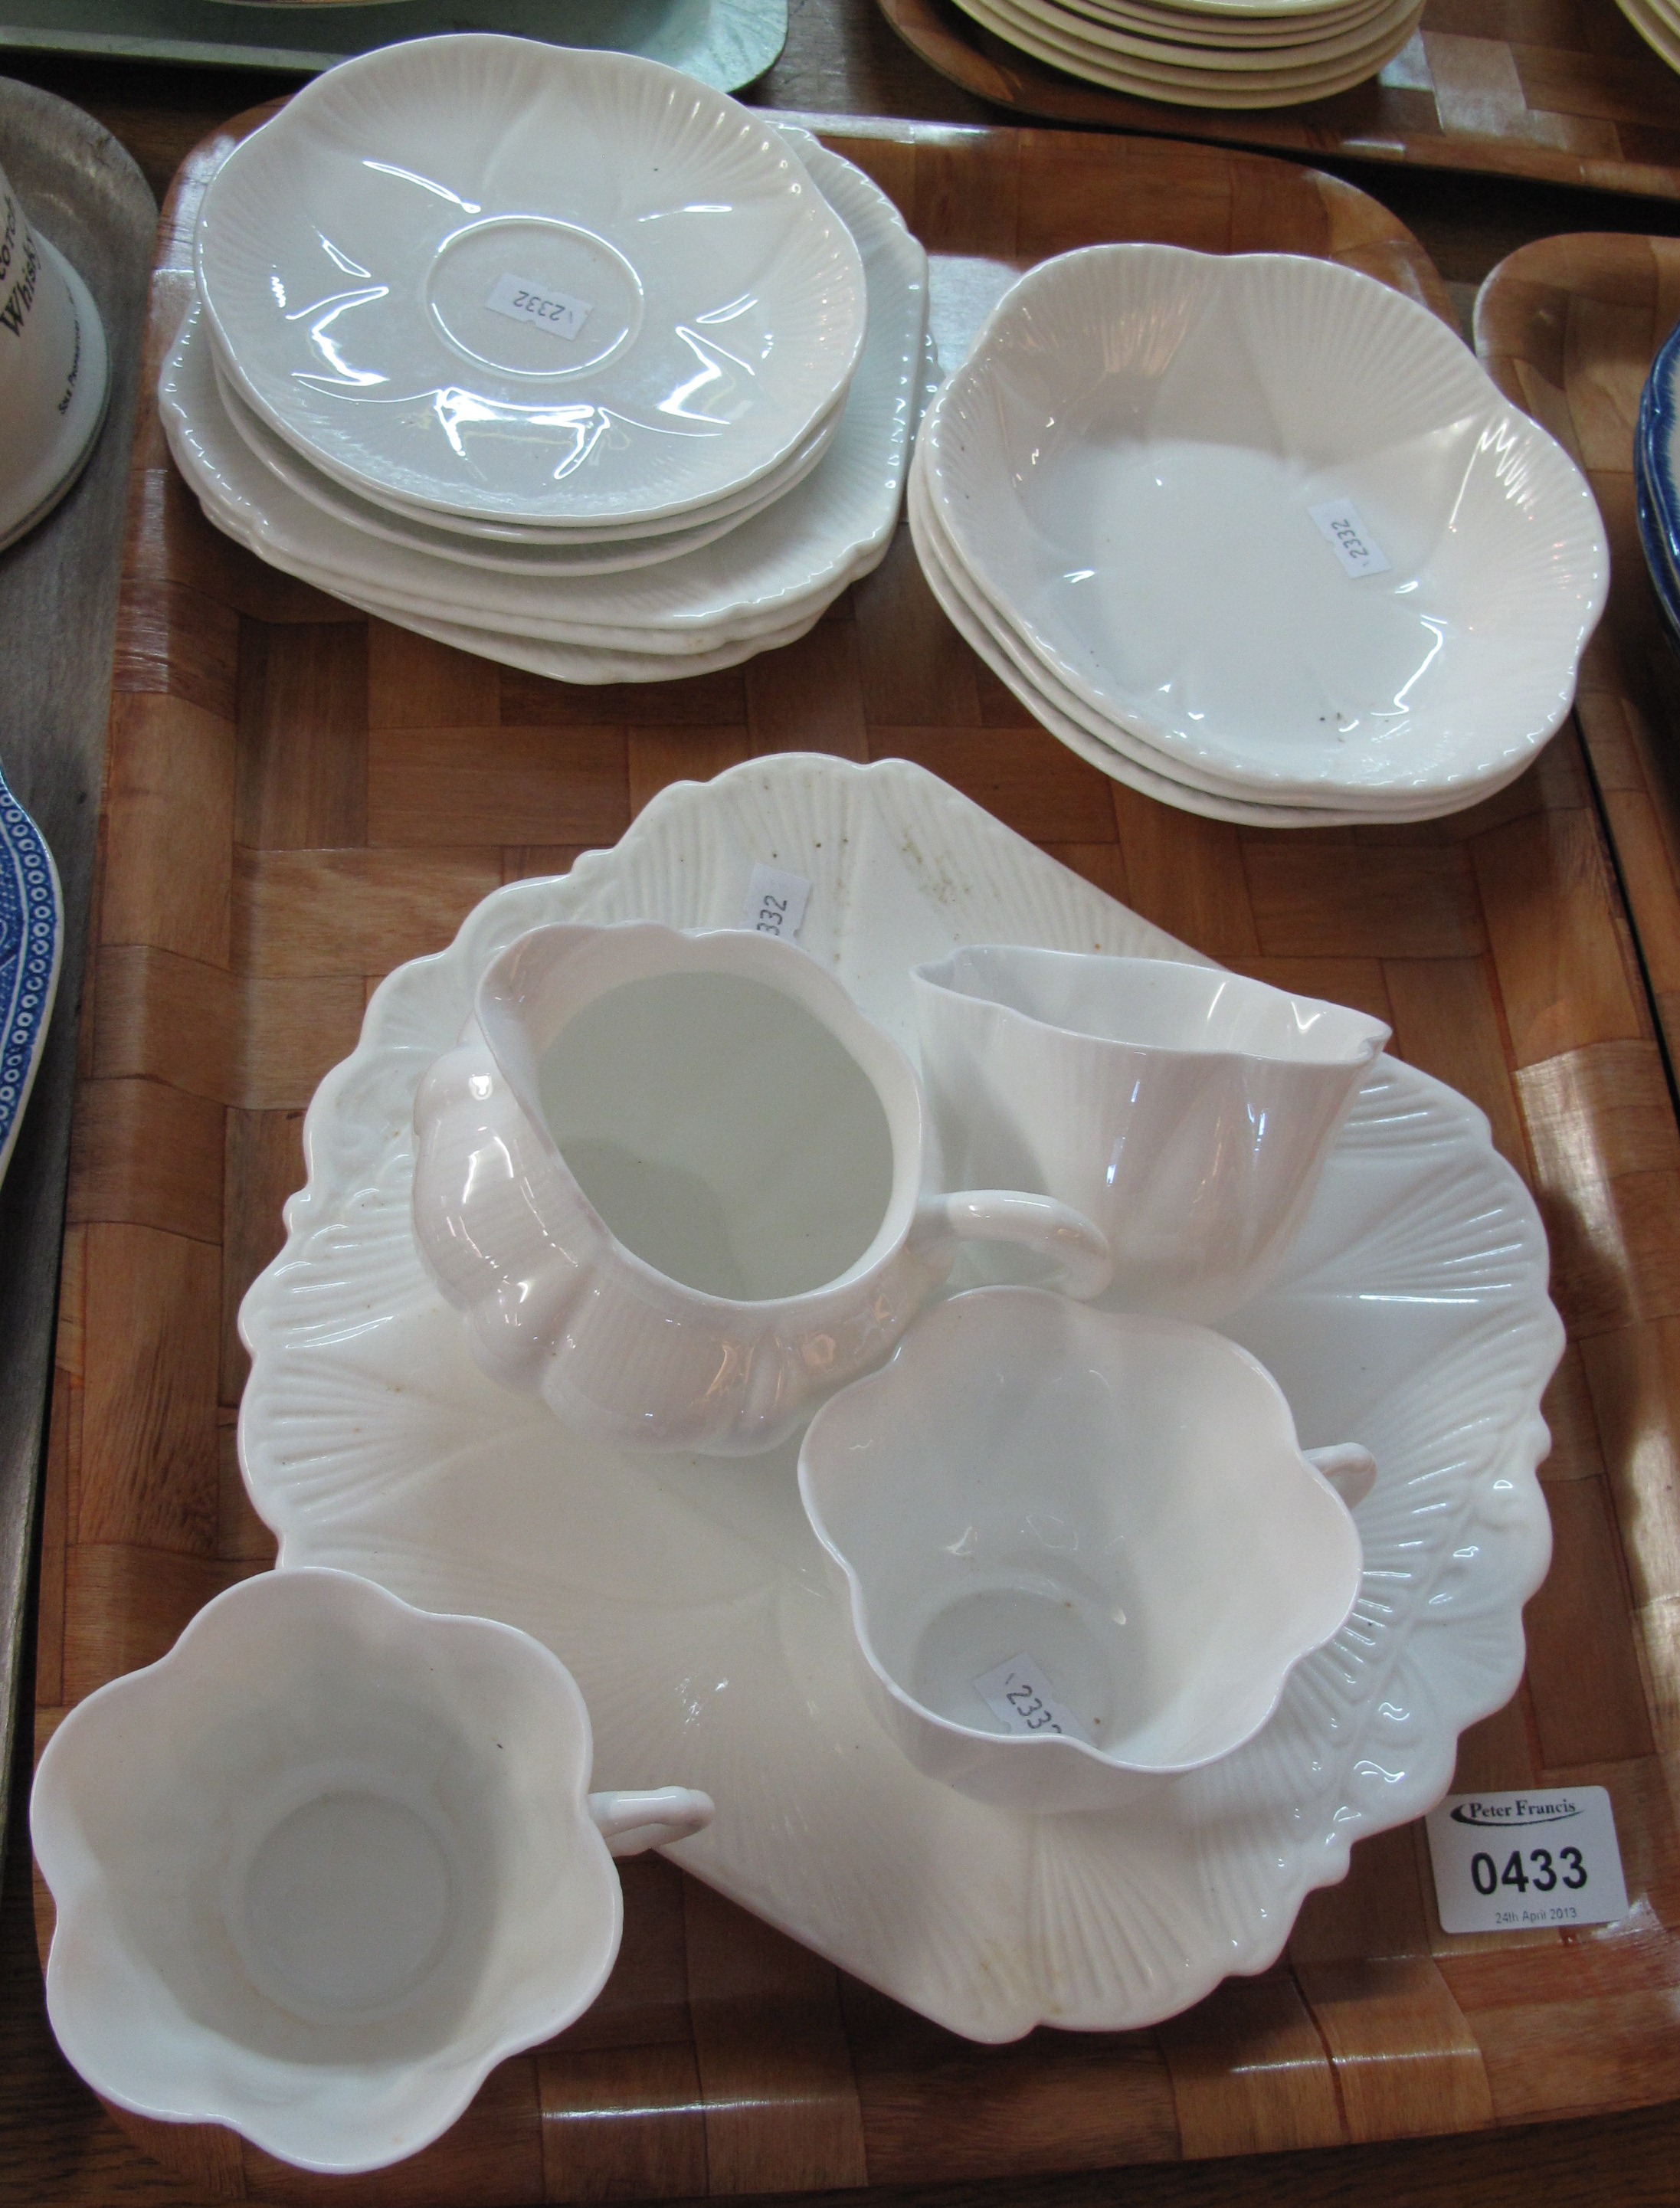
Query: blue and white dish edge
<point>32,939</point>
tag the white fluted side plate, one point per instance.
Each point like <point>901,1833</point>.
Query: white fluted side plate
<point>770,576</point>
<point>508,551</point>
<point>365,259</point>
<point>689,1595</point>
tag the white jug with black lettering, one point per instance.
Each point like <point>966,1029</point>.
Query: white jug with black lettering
<point>53,371</point>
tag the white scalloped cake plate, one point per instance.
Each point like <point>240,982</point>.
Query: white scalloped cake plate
<point>689,1595</point>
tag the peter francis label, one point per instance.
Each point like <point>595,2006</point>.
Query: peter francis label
<point>1517,1863</point>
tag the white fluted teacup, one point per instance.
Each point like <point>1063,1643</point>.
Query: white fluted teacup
<point>1083,1549</point>
<point>325,1864</point>
<point>1187,1112</point>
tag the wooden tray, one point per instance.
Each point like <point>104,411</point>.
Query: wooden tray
<point>297,798</point>
<point>1568,328</point>
<point>1562,90</point>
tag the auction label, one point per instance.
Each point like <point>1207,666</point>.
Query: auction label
<point>1339,526</point>
<point>1022,1699</point>
<point>776,902</point>
<point>1515,1863</point>
<point>523,301</point>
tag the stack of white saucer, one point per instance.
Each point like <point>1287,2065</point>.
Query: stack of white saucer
<point>1257,536</point>
<point>556,355</point>
<point>1209,53</point>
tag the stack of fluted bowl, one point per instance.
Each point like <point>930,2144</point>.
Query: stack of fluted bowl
<point>556,355</point>
<point>1207,53</point>
<point>1257,536</point>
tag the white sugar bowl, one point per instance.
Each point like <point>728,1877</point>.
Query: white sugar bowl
<point>679,1184</point>
<point>1083,1549</point>
<point>323,1866</point>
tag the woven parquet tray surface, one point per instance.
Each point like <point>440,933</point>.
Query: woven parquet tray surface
<point>299,798</point>
<point>1565,90</point>
<point>1568,328</point>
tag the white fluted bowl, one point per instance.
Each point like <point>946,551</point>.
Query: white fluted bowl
<point>1146,467</point>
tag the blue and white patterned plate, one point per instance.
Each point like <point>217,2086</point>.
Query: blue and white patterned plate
<point>1652,544</point>
<point>1657,482</point>
<point>31,936</point>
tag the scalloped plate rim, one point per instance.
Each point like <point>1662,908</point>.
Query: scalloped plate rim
<point>1456,1700</point>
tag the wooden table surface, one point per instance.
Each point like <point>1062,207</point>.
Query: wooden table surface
<point>56,2146</point>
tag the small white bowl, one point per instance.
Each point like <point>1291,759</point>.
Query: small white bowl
<point>323,1866</point>
<point>1084,1549</point>
<point>1272,519</point>
<point>1188,1113</point>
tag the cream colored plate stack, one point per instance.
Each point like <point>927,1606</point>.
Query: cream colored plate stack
<point>1657,22</point>
<point>1209,53</point>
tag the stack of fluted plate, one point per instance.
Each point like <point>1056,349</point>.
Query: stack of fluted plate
<point>1657,22</point>
<point>1258,536</point>
<point>556,355</point>
<point>1209,53</point>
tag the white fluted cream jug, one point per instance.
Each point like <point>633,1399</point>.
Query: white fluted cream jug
<point>678,1183</point>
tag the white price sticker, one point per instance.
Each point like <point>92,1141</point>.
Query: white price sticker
<point>1339,526</point>
<point>523,301</point>
<point>1515,1862</point>
<point>775,903</point>
<point>1022,1699</point>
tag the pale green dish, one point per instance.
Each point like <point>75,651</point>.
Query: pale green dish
<point>723,43</point>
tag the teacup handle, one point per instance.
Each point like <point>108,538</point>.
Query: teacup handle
<point>652,1819</point>
<point>1084,1264</point>
<point>1350,1470</point>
